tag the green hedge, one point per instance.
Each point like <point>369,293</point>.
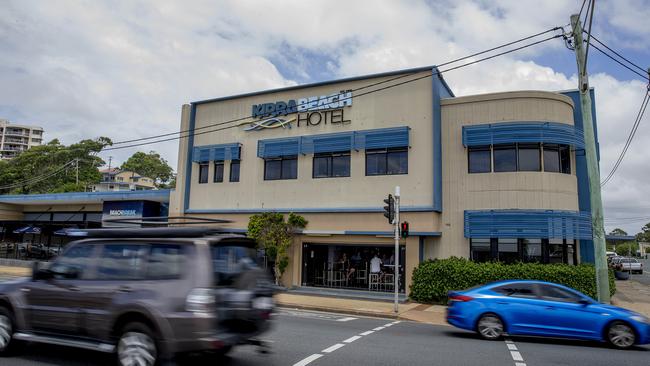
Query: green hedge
<point>433,279</point>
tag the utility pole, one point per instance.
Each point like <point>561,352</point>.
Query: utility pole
<point>110,159</point>
<point>396,257</point>
<point>598,227</point>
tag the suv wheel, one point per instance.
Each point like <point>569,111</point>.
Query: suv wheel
<point>490,327</point>
<point>7,342</point>
<point>137,346</point>
<point>621,335</point>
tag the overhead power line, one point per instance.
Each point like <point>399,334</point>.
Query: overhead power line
<point>617,53</point>
<point>194,133</point>
<point>353,90</point>
<point>39,178</point>
<point>630,137</point>
<point>645,77</point>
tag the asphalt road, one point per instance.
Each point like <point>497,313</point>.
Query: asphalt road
<point>340,340</point>
<point>645,277</point>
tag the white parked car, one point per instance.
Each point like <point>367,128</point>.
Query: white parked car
<point>629,265</point>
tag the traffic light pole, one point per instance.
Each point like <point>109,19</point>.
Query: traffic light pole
<point>396,261</point>
<point>602,276</point>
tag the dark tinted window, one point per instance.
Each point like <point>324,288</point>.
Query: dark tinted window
<point>554,293</point>
<point>551,158</point>
<point>218,172</point>
<point>480,250</point>
<point>505,158</point>
<point>121,262</point>
<point>525,290</point>
<point>565,159</point>
<point>74,263</point>
<point>230,261</point>
<point>234,170</point>
<point>331,165</point>
<point>389,161</point>
<point>532,250</point>
<point>203,173</point>
<point>508,252</point>
<point>281,168</point>
<point>480,159</point>
<point>529,157</point>
<point>165,262</point>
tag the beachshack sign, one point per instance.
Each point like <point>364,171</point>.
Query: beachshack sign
<point>310,111</point>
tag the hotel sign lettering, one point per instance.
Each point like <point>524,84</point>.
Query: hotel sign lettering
<point>311,111</point>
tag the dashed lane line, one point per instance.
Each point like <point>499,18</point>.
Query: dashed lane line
<point>514,353</point>
<point>309,359</point>
<point>346,319</point>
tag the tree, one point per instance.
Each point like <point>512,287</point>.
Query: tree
<point>52,167</point>
<point>644,235</point>
<point>628,248</point>
<point>275,236</point>
<point>150,165</point>
<point>618,232</point>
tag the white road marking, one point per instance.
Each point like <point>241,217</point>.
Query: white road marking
<point>516,356</point>
<point>333,348</point>
<point>345,319</point>
<point>351,339</point>
<point>308,360</point>
<point>388,325</point>
<point>514,353</point>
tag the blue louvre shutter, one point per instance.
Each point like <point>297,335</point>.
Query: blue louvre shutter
<point>546,224</point>
<point>511,132</point>
<point>382,138</point>
<point>202,154</point>
<point>278,147</point>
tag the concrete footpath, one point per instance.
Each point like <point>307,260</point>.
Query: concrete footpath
<point>633,295</point>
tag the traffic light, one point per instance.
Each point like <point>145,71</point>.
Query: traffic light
<point>404,229</point>
<point>389,210</point>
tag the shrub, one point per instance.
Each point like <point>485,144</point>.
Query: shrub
<point>433,279</point>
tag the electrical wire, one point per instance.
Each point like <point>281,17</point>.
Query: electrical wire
<point>354,96</point>
<point>591,19</point>
<point>38,179</point>
<point>630,137</point>
<point>581,8</point>
<point>617,53</point>
<point>353,90</point>
<point>620,63</point>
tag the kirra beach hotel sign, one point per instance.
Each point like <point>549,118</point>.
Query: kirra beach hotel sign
<point>310,111</point>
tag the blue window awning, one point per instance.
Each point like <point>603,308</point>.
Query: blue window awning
<point>334,142</point>
<point>511,132</point>
<point>544,224</point>
<point>203,154</point>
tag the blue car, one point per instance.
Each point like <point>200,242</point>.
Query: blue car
<point>536,308</point>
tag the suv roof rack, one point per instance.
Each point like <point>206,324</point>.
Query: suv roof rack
<point>166,221</point>
<point>157,232</point>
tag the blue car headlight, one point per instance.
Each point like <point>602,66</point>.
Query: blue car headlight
<point>640,319</point>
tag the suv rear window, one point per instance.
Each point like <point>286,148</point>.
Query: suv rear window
<point>228,261</point>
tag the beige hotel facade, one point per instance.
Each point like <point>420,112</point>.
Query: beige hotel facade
<point>489,177</point>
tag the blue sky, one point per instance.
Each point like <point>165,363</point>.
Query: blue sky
<point>124,68</point>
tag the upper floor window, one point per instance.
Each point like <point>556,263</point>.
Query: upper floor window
<point>218,172</point>
<point>285,167</point>
<point>234,170</point>
<point>327,165</point>
<point>388,161</point>
<point>505,158</point>
<point>480,159</point>
<point>528,157</point>
<point>203,173</point>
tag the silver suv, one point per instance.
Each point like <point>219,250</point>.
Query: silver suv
<point>144,294</point>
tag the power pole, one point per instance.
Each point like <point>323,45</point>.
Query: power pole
<point>396,257</point>
<point>110,159</point>
<point>598,227</point>
<point>76,161</point>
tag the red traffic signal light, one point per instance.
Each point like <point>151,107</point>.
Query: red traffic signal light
<point>404,229</point>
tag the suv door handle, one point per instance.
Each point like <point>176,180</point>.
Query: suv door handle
<point>73,288</point>
<point>124,289</point>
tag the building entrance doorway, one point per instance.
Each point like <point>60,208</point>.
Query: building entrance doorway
<point>361,267</point>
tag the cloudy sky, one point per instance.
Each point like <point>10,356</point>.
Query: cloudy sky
<point>122,69</point>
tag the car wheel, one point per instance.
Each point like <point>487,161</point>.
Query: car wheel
<point>490,326</point>
<point>137,346</point>
<point>7,343</point>
<point>621,335</point>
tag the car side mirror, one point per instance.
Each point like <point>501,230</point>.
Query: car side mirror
<point>39,273</point>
